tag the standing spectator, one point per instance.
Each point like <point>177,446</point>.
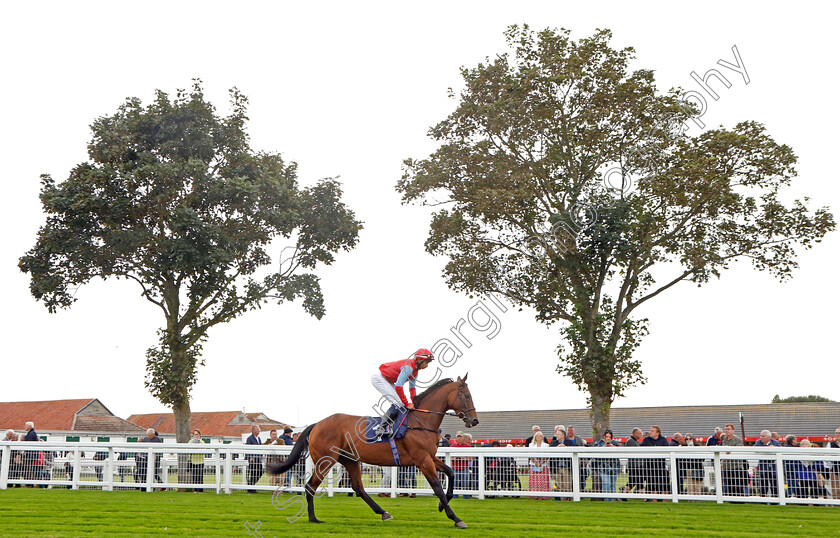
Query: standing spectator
<point>472,477</point>
<point>790,468</point>
<point>715,439</point>
<point>385,483</point>
<point>31,434</point>
<point>407,478</point>
<point>767,477</point>
<point>835,467</point>
<point>658,479</point>
<point>607,468</point>
<point>100,455</point>
<point>46,470</point>
<point>141,464</point>
<point>196,463</point>
<point>255,463</point>
<point>16,458</point>
<point>734,473</point>
<point>539,476</point>
<point>682,463</point>
<point>289,441</point>
<point>30,457</point>
<point>561,467</point>
<point>275,459</point>
<point>501,471</point>
<point>460,466</point>
<point>123,469</point>
<point>534,430</point>
<point>810,476</point>
<point>152,436</point>
<point>558,430</point>
<point>635,466</point>
<point>142,457</point>
<point>694,469</point>
<point>573,440</point>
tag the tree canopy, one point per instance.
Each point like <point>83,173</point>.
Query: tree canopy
<point>174,199</point>
<point>797,399</point>
<point>531,185</point>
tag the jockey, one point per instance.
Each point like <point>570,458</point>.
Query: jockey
<point>391,378</point>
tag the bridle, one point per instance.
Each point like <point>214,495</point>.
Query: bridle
<point>462,414</point>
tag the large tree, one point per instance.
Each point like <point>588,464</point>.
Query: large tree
<point>532,187</point>
<point>174,199</point>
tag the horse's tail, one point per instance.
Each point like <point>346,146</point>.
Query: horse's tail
<point>300,447</point>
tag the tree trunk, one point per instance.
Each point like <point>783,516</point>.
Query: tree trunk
<point>182,435</point>
<point>182,422</point>
<point>599,413</point>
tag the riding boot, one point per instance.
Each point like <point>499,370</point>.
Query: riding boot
<point>387,421</point>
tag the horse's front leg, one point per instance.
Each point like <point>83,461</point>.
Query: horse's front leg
<point>429,470</point>
<point>450,483</point>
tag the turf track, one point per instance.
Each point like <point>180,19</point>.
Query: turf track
<point>37,512</point>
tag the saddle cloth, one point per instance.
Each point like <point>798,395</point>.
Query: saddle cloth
<point>396,431</point>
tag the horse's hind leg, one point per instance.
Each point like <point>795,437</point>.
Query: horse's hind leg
<point>429,469</point>
<point>322,467</point>
<point>354,469</point>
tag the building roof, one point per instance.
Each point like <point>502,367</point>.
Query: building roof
<point>808,419</point>
<point>82,415</point>
<point>213,423</point>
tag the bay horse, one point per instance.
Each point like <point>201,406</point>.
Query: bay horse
<point>340,438</point>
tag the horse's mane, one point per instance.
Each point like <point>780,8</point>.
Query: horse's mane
<point>429,391</point>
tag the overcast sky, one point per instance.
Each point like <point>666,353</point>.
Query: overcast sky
<point>350,89</point>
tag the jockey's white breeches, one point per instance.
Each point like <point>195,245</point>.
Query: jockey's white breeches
<point>387,389</point>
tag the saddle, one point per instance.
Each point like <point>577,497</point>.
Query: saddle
<point>397,430</point>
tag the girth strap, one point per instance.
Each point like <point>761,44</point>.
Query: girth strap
<point>394,451</point>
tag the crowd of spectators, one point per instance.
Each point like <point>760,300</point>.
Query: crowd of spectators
<point>802,478</point>
<point>645,475</point>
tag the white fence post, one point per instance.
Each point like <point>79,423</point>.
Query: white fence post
<point>394,478</point>
<point>481,467</point>
<point>718,478</point>
<point>575,476</point>
<point>217,455</point>
<point>675,479</point>
<point>109,469</point>
<point>228,478</point>
<point>330,482</point>
<point>150,469</point>
<point>780,479</point>
<point>4,467</point>
<point>77,467</point>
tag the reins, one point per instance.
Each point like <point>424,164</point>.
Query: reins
<point>449,414</point>
<point>461,414</point>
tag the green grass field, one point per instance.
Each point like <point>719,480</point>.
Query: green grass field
<point>41,512</point>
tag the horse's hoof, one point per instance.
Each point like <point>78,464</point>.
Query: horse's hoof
<point>387,517</point>
<point>315,521</point>
<point>440,506</point>
<point>460,525</point>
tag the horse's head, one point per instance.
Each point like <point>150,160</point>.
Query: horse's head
<point>462,403</point>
